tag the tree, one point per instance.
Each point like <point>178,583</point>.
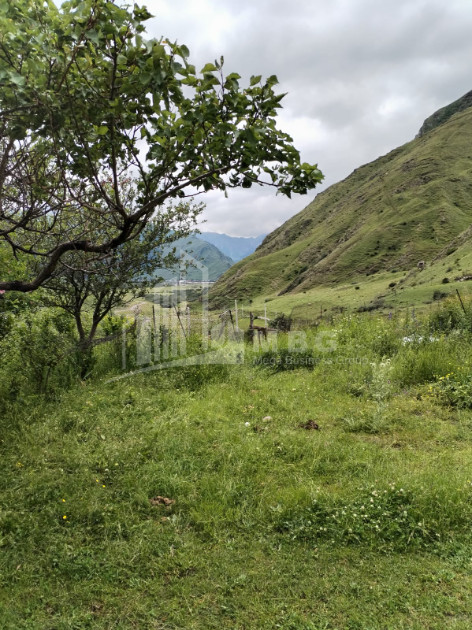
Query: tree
<point>89,288</point>
<point>86,101</point>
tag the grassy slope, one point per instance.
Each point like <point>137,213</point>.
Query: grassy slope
<point>226,554</point>
<point>387,215</point>
<point>412,289</point>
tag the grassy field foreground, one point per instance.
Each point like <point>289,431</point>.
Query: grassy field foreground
<point>334,495</point>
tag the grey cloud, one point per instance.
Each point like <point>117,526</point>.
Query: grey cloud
<point>361,77</point>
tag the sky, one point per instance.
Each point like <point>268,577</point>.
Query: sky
<point>360,76</point>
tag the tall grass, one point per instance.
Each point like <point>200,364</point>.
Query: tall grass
<point>240,496</point>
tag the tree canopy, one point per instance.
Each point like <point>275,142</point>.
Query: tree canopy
<point>87,103</point>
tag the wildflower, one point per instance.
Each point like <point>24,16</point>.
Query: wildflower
<point>64,517</point>
<point>63,500</point>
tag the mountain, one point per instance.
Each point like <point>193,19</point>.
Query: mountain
<point>215,262</point>
<point>236,247</point>
<point>409,205</point>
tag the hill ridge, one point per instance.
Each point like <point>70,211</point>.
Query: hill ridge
<point>443,114</point>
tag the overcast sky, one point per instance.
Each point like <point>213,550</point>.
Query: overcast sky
<point>361,77</point>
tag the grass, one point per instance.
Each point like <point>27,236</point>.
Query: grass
<point>361,523</point>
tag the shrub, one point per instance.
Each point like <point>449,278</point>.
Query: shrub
<point>37,354</point>
<point>373,306</point>
<point>376,338</point>
<point>454,389</point>
<point>113,324</point>
<point>281,322</point>
<point>449,317</point>
<point>386,342</point>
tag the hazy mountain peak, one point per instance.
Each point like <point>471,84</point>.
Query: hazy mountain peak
<point>236,247</point>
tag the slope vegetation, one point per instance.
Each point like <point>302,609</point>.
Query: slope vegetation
<point>406,206</point>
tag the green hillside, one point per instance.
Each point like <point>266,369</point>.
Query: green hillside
<point>412,204</point>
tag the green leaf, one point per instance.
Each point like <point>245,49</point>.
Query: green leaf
<point>158,52</point>
<point>93,36</point>
<point>17,79</point>
<point>102,130</point>
<point>209,67</point>
<point>255,79</point>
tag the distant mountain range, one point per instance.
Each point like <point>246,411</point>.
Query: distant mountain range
<point>236,247</point>
<point>216,252</point>
<point>413,204</point>
<point>208,255</point>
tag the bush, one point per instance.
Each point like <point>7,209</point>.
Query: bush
<point>450,316</point>
<point>375,305</point>
<point>454,389</point>
<point>37,354</point>
<point>113,324</point>
<point>281,322</point>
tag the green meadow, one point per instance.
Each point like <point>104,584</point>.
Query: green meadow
<point>324,481</point>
